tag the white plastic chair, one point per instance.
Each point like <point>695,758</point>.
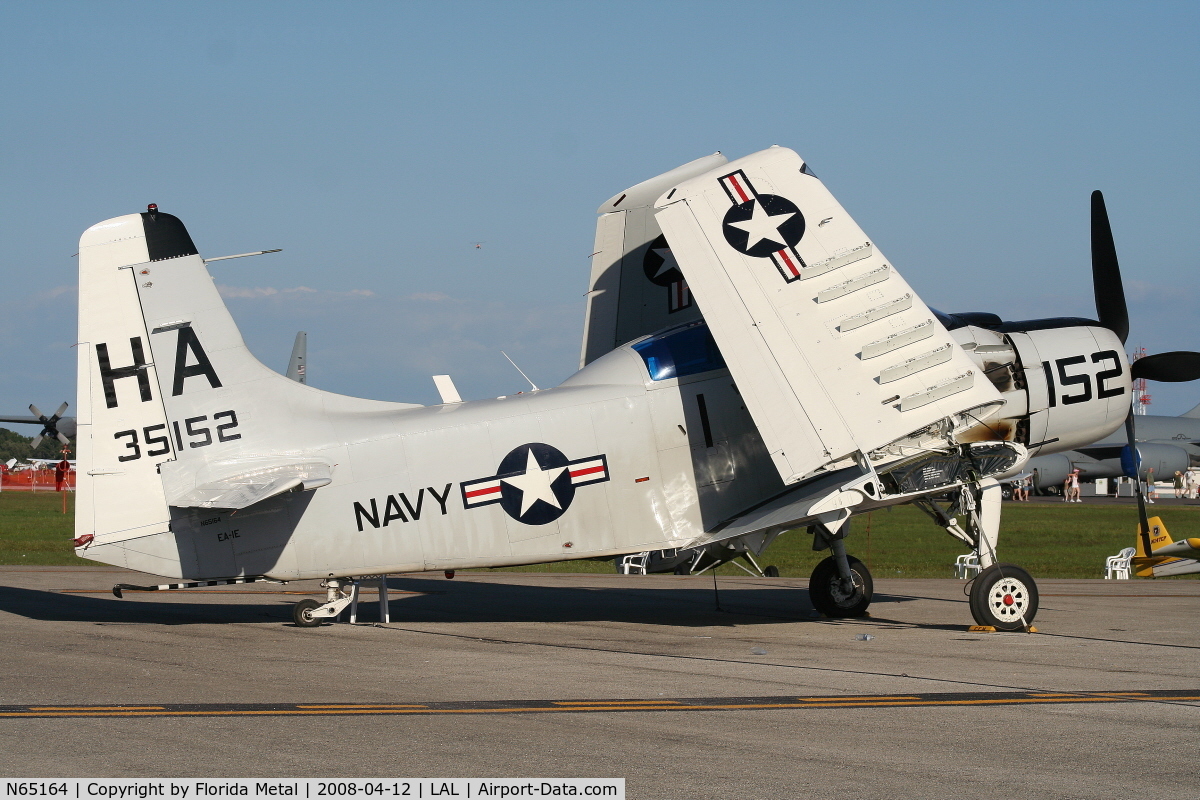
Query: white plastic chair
<point>1117,567</point>
<point>634,564</point>
<point>967,566</point>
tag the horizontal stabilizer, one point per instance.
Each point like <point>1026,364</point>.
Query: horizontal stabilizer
<point>240,484</point>
<point>832,351</point>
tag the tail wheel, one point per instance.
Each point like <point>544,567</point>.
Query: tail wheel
<point>831,598</point>
<point>771,572</point>
<point>1005,597</point>
<point>302,613</point>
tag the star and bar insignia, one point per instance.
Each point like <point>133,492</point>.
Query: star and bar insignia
<point>535,483</point>
<point>662,269</point>
<point>763,225</point>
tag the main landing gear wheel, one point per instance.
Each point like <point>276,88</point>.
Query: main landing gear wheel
<point>771,572</point>
<point>1005,597</point>
<point>302,613</point>
<point>830,597</point>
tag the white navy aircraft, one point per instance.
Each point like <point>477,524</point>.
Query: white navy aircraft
<point>814,386</point>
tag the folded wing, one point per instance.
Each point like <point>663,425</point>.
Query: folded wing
<point>833,352</point>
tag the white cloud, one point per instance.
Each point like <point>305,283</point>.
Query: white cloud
<point>255,292</point>
<point>231,292</point>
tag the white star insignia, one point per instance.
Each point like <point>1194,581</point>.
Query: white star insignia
<point>535,484</point>
<point>762,226</point>
<point>668,261</point>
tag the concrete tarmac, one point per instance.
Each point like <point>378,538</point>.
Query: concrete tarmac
<point>552,675</point>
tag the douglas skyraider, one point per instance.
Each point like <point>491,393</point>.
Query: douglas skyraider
<point>752,363</point>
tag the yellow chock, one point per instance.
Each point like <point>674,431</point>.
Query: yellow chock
<point>992,629</point>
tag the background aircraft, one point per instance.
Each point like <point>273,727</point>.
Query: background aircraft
<point>55,426</point>
<point>1165,444</point>
<point>816,385</point>
<point>1167,557</point>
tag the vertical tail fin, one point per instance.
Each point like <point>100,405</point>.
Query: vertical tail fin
<point>297,365</point>
<point>122,424</point>
<point>170,399</point>
<point>1159,537</point>
<point>636,287</point>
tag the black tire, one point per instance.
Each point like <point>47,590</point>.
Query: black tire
<point>771,571</point>
<point>302,613</point>
<point>1005,597</point>
<point>683,569</point>
<point>825,593</point>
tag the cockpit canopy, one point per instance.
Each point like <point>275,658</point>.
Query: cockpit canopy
<point>676,353</point>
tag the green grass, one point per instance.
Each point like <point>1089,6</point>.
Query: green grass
<point>33,529</point>
<point>1051,540</point>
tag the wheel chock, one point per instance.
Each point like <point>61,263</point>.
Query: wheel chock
<point>992,629</point>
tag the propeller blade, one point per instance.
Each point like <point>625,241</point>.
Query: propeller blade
<point>1174,367</point>
<point>62,438</point>
<point>1106,273</point>
<point>36,441</point>
<point>1141,498</point>
<point>61,409</point>
<point>36,411</point>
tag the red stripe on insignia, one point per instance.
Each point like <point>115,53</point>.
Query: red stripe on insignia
<point>787,260</point>
<point>577,472</point>
<point>489,490</point>
<point>738,187</point>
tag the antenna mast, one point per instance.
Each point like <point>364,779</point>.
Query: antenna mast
<point>1141,397</point>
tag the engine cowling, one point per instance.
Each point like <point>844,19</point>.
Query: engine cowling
<point>1064,385</point>
<point>1164,458</point>
<point>1078,385</point>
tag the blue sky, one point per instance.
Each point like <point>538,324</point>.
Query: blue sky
<point>375,142</point>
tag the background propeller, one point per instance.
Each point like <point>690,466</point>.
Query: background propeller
<point>49,425</point>
<point>1176,366</point>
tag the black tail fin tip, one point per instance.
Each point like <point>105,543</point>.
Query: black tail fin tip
<point>166,236</point>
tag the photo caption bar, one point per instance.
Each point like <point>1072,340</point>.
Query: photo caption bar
<point>315,788</point>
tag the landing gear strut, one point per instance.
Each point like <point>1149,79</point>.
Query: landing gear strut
<point>308,613</point>
<point>841,585</point>
<point>1003,596</point>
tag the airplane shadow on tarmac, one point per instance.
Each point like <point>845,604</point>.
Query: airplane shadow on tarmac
<point>58,607</point>
<point>439,600</point>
